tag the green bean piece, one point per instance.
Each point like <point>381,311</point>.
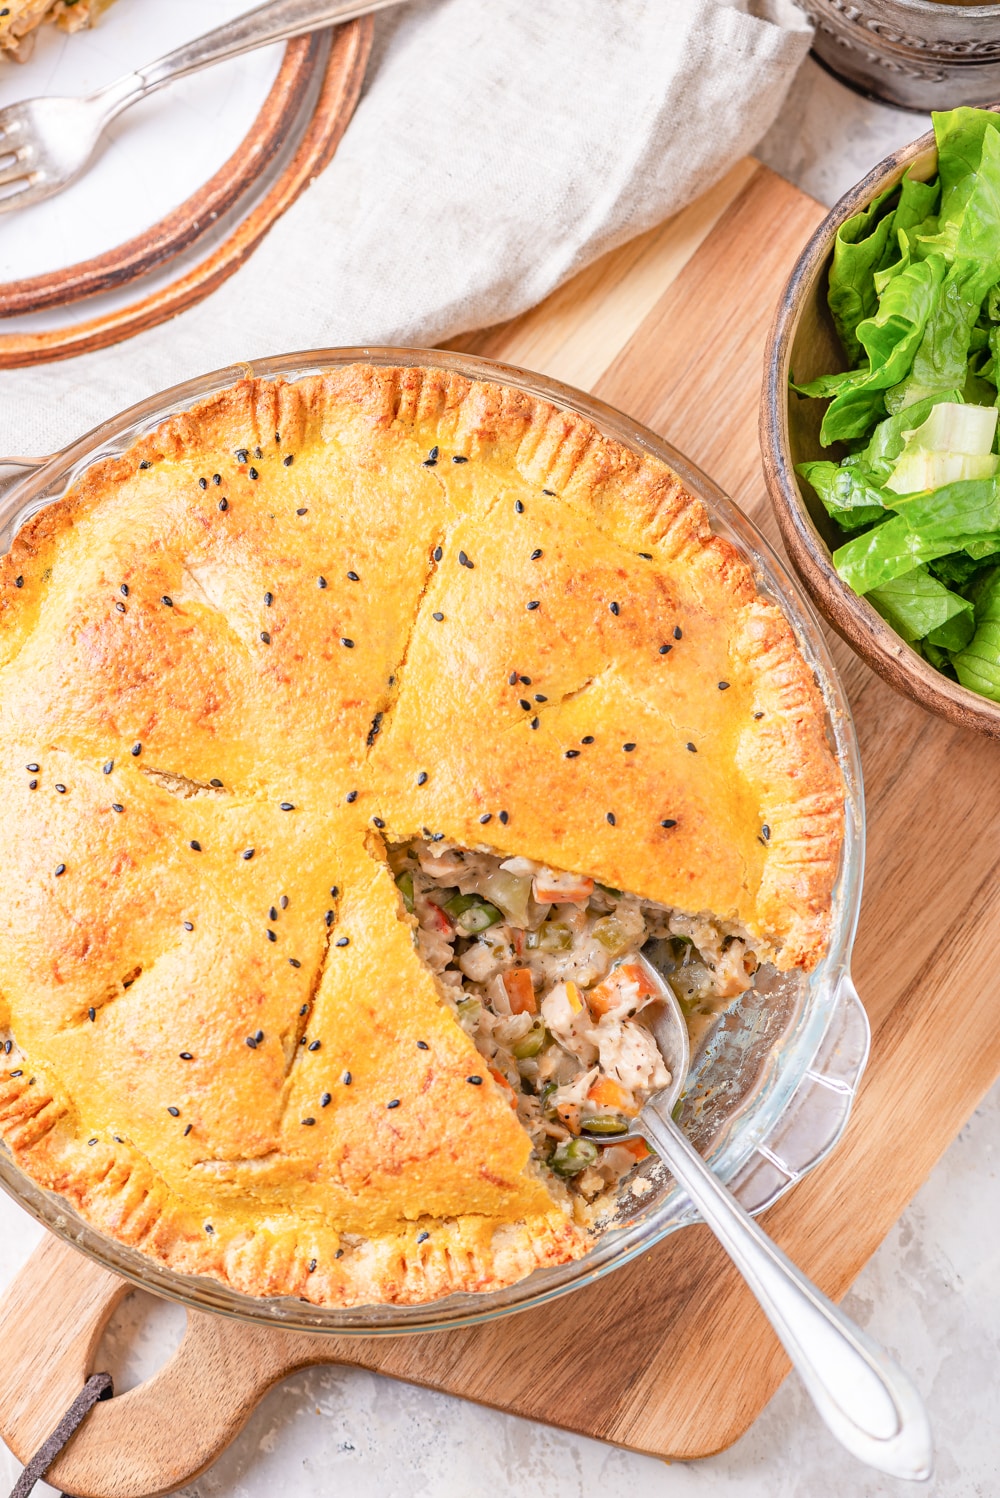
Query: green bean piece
<point>573,1155</point>
<point>605,1123</point>
<point>404,883</point>
<point>472,914</point>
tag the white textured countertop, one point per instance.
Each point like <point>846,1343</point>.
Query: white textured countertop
<point>931,1294</point>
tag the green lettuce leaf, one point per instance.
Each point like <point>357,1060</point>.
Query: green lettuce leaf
<point>886,552</point>
<point>846,493</point>
<point>918,607</point>
<point>978,665</point>
<point>889,436</point>
<point>858,251</point>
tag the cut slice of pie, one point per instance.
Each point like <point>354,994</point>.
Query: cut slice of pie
<point>19,19</point>
<point>295,650</point>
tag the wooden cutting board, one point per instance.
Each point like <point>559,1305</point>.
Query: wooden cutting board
<point>670,328</point>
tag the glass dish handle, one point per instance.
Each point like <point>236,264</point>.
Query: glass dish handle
<point>817,1112</point>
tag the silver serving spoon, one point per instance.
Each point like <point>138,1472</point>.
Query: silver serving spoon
<point>868,1402</point>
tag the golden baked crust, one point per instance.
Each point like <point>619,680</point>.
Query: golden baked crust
<point>267,661</point>
<point>21,18</point>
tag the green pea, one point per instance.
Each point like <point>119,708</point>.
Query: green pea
<point>572,1156</point>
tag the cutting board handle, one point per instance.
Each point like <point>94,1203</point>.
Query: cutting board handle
<point>162,1433</point>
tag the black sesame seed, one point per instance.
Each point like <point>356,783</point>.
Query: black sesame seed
<point>223,504</point>
<point>373,731</point>
<point>669,822</point>
<point>287,806</point>
<point>19,582</point>
<point>540,698</point>
<point>647,556</point>
<point>329,918</point>
<point>92,1014</point>
<point>294,962</point>
<point>550,492</point>
<point>217,784</point>
<point>523,702</point>
<point>431,458</point>
<point>186,1056</point>
<point>307,1123</point>
<point>60,869</point>
<point>312,1266</point>
<point>252,1042</point>
<point>628,748</point>
<point>315,1045</point>
<point>347,644</point>
<point>248,852</point>
<point>339,1254</point>
<point>136,750</point>
<point>512,679</point>
<point>341,941</point>
<point>394,1103</point>
<point>437,616</point>
<point>723,686</point>
<point>120,606</point>
<point>437,837</point>
<point>458,458</point>
<point>614,608</point>
<point>32,785</point>
<point>304,1010</point>
<point>353,577</point>
<point>16,1074</point>
<point>303,511</point>
<point>32,768</point>
<point>257,453</point>
<point>378,822</point>
<point>347,1079</point>
<point>203,483</point>
<point>216,478</point>
<point>272,914</point>
<point>423,1237</point>
<point>326,1100</point>
<point>587,739</point>
<point>195,845</point>
<point>758,715</point>
<point>518,507</point>
<point>535,555</point>
<point>533,604</point>
<point>145,463</point>
<point>765,832</point>
<point>188,926</point>
<point>271,935</point>
<point>167,601</point>
<point>174,1112</point>
<point>89,1141</point>
<point>265,636</point>
<point>487,816</point>
<point>422,1045</point>
<point>677,632</point>
<point>8,1046</point>
<point>610,818</point>
<point>474,1081</point>
<point>572,754</point>
<point>334,892</point>
<point>504,817</point>
<point>108,766</point>
<point>422,778</point>
<point>268,599</point>
<point>289,460</point>
<point>252,473</point>
<point>692,749</point>
<point>61,789</point>
<point>665,649</point>
<point>462,559</point>
<point>283,902</point>
<point>534,723</point>
<point>186,1133</point>
<point>351,796</point>
<point>209,1228</point>
<point>117,806</point>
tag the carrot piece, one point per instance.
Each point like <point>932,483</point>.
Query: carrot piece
<point>569,1114</point>
<point>607,1093</point>
<point>637,1147</point>
<point>520,991</point>
<point>602,998</point>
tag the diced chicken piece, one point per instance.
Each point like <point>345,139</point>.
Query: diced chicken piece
<point>550,887</point>
<point>631,1056</point>
<point>568,1018</point>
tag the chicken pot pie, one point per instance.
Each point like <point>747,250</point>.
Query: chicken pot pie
<point>19,19</point>
<point>356,734</point>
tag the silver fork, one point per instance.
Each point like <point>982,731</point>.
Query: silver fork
<point>46,143</point>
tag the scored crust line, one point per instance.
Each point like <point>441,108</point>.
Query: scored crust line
<point>392,695</point>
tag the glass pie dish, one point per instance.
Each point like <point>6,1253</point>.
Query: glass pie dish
<point>772,1078</point>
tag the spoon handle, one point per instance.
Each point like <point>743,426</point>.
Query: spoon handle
<point>865,1399</point>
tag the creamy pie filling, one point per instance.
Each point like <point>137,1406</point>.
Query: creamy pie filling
<point>540,968</point>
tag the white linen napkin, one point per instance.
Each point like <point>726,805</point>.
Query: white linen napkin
<point>497,150</point>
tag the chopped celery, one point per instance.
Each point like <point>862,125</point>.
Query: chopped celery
<point>550,937</point>
<point>404,883</point>
<point>573,1156</point>
<point>533,1041</point>
<point>510,892</point>
<point>612,935</point>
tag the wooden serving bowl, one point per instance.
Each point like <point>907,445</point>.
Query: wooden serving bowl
<point>803,339</point>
